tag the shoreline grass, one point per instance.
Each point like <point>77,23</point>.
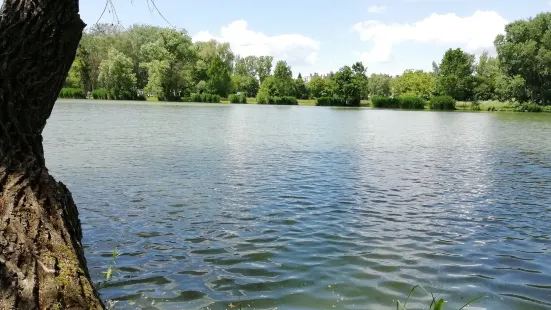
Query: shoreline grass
<point>461,106</point>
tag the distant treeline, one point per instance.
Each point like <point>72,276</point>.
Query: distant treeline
<point>145,61</point>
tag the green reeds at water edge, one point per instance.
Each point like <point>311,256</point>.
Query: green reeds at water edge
<point>436,304</point>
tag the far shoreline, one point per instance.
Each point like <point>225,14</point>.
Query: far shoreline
<point>486,106</point>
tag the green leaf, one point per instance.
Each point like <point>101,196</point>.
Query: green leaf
<point>439,305</point>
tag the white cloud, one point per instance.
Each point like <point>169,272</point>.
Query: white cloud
<point>296,49</point>
<point>377,9</point>
<point>473,33</point>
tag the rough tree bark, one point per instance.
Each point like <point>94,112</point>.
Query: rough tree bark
<point>42,264</point>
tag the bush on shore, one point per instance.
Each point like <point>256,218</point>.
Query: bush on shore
<point>402,102</point>
<point>442,103</point>
<point>411,102</point>
<point>530,107</point>
<point>330,101</point>
<point>234,98</point>
<point>207,98</point>
<point>72,93</point>
<point>100,93</point>
<point>284,100</point>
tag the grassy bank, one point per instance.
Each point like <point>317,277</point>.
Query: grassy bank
<point>487,106</point>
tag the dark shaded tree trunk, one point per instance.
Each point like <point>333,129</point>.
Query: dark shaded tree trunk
<point>42,264</point>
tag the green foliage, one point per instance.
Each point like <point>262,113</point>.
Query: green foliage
<point>100,93</point>
<point>116,76</point>
<point>416,83</point>
<point>300,88</point>
<point>267,89</point>
<point>348,85</point>
<point>530,107</point>
<point>320,87</point>
<point>79,75</point>
<point>360,76</point>
<point>206,98</point>
<point>246,84</point>
<point>511,88</point>
<point>234,98</point>
<point>109,272</point>
<point>455,76</point>
<point>330,101</point>
<point>525,51</point>
<point>276,100</point>
<point>379,85</point>
<point>442,103</point>
<point>264,67</point>
<point>475,106</point>
<point>436,304</point>
<point>247,66</point>
<point>284,100</point>
<point>72,93</point>
<point>157,72</point>
<point>402,102</point>
<point>411,102</point>
<point>385,102</point>
<point>219,77</point>
<point>283,79</point>
<point>487,72</point>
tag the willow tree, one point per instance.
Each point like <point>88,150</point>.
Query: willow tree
<point>42,264</point>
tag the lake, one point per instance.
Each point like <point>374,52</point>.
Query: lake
<point>290,207</point>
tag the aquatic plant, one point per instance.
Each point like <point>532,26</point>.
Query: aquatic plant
<point>435,304</point>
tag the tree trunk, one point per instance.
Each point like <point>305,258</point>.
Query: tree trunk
<point>42,264</point>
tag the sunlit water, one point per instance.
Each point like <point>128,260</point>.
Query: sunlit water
<point>307,207</point>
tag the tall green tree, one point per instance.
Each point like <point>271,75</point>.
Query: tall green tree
<point>246,84</point>
<point>283,77</point>
<point>379,85</point>
<point>115,74</point>
<point>348,86</point>
<point>360,74</point>
<point>264,67</point>
<point>80,73</point>
<point>415,82</point>
<point>525,51</point>
<point>211,57</point>
<point>455,76</point>
<point>511,88</point>
<point>320,87</point>
<point>219,77</point>
<point>268,88</point>
<point>246,66</point>
<point>97,41</point>
<point>300,88</point>
<point>487,71</point>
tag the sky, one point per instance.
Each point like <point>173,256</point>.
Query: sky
<point>388,36</point>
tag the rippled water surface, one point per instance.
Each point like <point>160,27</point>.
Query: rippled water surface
<point>307,207</point>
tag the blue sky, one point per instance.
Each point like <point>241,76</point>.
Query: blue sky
<point>389,36</point>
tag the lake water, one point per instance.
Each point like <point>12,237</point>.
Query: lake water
<point>308,207</point>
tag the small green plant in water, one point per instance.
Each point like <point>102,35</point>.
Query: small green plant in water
<point>109,272</point>
<point>435,304</point>
<point>240,305</point>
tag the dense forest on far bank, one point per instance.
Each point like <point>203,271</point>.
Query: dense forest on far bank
<point>147,61</point>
